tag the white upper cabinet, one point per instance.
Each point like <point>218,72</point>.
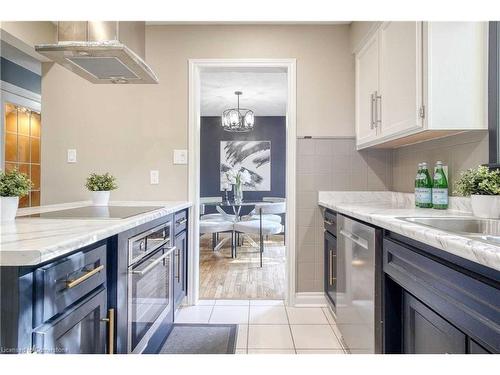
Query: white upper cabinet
<point>429,80</point>
<point>400,91</point>
<point>366,89</point>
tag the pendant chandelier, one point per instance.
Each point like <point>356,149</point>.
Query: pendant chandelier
<point>238,119</point>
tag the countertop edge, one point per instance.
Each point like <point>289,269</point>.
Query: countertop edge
<point>35,257</point>
<point>475,251</point>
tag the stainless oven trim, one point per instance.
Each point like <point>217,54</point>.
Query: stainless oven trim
<point>144,341</point>
<point>145,234</point>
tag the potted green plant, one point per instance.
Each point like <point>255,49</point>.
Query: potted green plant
<point>483,187</point>
<point>100,186</point>
<point>13,185</point>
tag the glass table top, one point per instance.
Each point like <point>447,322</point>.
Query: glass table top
<point>233,203</point>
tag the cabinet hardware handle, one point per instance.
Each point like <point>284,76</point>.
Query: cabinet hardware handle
<point>328,222</point>
<point>372,106</point>
<point>182,221</point>
<point>178,265</point>
<point>154,263</point>
<point>378,113</point>
<point>111,330</point>
<point>72,283</point>
<point>330,268</point>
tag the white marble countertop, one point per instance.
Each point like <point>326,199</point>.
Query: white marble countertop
<point>383,209</point>
<point>30,240</point>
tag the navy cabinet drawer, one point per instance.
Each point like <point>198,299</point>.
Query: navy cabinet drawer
<point>180,221</point>
<point>62,283</point>
<point>80,329</point>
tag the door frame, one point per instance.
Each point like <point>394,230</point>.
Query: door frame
<point>196,66</point>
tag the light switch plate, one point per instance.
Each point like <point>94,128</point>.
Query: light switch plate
<point>180,156</point>
<point>71,157</point>
<point>154,177</point>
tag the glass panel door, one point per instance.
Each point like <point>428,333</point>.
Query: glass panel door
<point>22,148</point>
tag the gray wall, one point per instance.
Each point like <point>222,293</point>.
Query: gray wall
<point>329,164</point>
<point>459,152</point>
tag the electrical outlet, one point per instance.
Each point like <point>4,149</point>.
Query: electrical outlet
<point>71,157</point>
<point>154,177</point>
<point>180,156</point>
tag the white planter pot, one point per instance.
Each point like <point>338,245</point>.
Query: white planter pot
<point>8,208</point>
<point>486,206</point>
<point>100,198</point>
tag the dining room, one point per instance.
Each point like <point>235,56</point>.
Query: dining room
<point>243,184</point>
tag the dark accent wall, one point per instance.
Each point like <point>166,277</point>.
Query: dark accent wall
<point>17,75</point>
<point>267,128</point>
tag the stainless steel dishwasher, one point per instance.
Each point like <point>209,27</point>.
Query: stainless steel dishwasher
<point>359,272</point>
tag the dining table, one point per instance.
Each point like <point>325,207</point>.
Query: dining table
<point>236,206</point>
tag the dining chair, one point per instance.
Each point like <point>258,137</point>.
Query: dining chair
<point>221,215</point>
<point>215,227</point>
<point>261,226</point>
<point>254,214</point>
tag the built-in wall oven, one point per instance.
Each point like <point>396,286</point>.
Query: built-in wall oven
<point>150,289</point>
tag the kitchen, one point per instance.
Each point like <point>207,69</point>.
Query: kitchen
<point>101,252</point>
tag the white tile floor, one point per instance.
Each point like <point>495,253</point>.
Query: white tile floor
<point>268,327</point>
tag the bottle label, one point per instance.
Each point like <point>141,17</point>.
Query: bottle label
<point>423,195</point>
<point>440,196</point>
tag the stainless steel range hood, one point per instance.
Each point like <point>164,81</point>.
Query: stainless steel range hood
<point>102,51</point>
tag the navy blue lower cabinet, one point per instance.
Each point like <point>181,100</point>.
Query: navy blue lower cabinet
<point>435,305</point>
<point>80,329</point>
<point>330,268</point>
<point>425,332</point>
<point>180,268</point>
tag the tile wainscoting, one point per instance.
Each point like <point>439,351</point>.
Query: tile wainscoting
<point>329,164</point>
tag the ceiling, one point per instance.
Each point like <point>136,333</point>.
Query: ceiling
<point>264,91</point>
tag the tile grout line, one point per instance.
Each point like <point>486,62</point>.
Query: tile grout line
<point>334,333</point>
<point>211,312</point>
<point>290,329</point>
<point>248,326</point>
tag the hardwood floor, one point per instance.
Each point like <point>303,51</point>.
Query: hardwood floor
<point>222,277</point>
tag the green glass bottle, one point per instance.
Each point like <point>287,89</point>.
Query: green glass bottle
<point>439,188</point>
<point>418,180</point>
<point>425,188</point>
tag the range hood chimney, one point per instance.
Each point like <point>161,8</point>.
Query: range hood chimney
<point>102,51</point>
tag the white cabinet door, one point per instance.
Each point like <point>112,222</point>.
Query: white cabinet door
<point>367,80</point>
<point>400,78</point>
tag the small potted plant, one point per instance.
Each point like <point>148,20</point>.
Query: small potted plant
<point>13,185</point>
<point>100,186</point>
<point>483,187</point>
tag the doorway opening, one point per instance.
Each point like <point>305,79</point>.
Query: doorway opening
<point>242,247</point>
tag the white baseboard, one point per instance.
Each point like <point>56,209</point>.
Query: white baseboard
<point>310,299</point>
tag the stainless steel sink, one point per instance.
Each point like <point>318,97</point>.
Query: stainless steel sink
<point>486,229</point>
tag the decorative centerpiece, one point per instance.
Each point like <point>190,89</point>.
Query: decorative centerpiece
<point>483,187</point>
<point>100,186</point>
<point>13,185</point>
<point>238,177</point>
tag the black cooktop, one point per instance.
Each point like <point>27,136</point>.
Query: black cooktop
<point>96,212</point>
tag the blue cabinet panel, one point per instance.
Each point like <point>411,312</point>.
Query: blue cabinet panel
<point>80,329</point>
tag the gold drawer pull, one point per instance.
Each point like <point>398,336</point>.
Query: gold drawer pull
<point>72,283</point>
<point>111,330</point>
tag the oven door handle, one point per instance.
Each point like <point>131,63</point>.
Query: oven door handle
<point>154,263</point>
